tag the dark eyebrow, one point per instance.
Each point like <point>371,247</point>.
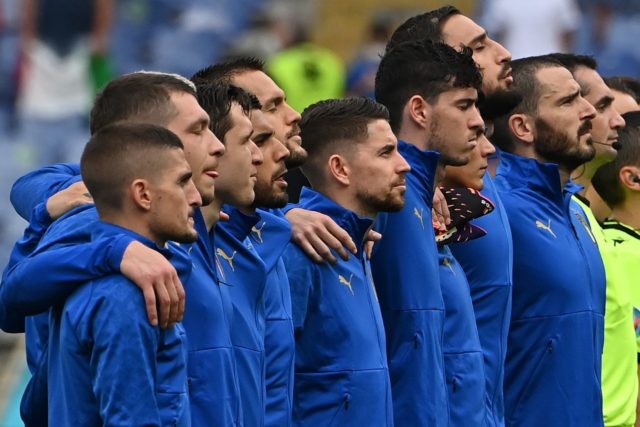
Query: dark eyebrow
<point>479,38</point>
<point>605,101</point>
<point>387,148</point>
<point>201,123</point>
<point>261,137</point>
<point>185,177</point>
<point>569,98</point>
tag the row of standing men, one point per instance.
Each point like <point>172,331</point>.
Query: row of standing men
<point>499,321</point>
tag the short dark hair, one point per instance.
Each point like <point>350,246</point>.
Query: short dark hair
<point>422,68</point>
<point>216,99</point>
<point>606,180</point>
<point>117,154</point>
<point>527,84</point>
<point>335,125</point>
<point>571,61</point>
<point>529,89</point>
<point>625,84</point>
<point>426,26</point>
<point>143,97</point>
<point>224,72</point>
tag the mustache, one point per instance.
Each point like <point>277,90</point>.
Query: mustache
<point>294,131</point>
<point>506,70</point>
<point>584,127</point>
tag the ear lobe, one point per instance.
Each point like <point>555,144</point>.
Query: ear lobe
<point>141,194</point>
<point>630,177</point>
<point>339,169</point>
<point>521,127</point>
<point>418,110</point>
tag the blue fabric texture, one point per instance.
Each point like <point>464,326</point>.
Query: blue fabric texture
<point>341,373</point>
<point>405,272</point>
<point>556,335</point>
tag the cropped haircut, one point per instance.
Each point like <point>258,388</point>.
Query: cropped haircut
<point>422,68</point>
<point>143,97</point>
<point>225,71</point>
<point>527,84</point>
<point>426,26</point>
<point>624,84</point>
<point>335,126</point>
<point>216,99</point>
<point>571,61</point>
<point>606,181</point>
<point>118,154</point>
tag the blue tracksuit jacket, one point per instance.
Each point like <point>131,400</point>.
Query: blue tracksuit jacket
<point>488,264</point>
<point>244,274</point>
<point>341,376</point>
<point>553,364</point>
<point>107,365</point>
<point>214,390</point>
<point>463,360</point>
<point>212,374</point>
<point>405,272</point>
<point>269,237</point>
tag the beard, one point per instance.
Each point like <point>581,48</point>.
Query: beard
<point>297,157</point>
<point>386,203</point>
<point>268,198</point>
<point>556,146</point>
<point>438,142</point>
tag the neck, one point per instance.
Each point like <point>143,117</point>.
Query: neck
<point>348,201</point>
<point>628,213</point>
<point>414,136</point>
<point>211,213</point>
<point>564,176</point>
<point>583,174</point>
<point>248,211</point>
<point>135,222</point>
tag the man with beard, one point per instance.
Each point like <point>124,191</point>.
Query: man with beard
<point>487,262</point>
<point>619,379</point>
<point>147,97</point>
<point>278,133</point>
<point>431,92</point>
<point>553,364</point>
<point>356,172</point>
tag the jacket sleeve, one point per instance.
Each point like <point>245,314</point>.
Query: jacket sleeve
<point>37,186</point>
<point>26,290</point>
<point>300,271</point>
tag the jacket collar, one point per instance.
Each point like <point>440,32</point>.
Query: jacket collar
<point>239,224</point>
<point>352,223</point>
<point>423,165</point>
<point>521,171</point>
<point>106,229</point>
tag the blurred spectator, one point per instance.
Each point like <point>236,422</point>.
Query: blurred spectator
<point>529,28</point>
<point>362,70</point>
<point>610,32</point>
<point>58,38</point>
<point>307,73</point>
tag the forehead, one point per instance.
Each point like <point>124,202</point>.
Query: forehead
<point>459,29</point>
<point>379,133</point>
<point>259,84</point>
<point>188,111</point>
<point>259,122</point>
<point>623,102</point>
<point>593,86</point>
<point>457,94</point>
<point>239,120</point>
<point>555,82</point>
